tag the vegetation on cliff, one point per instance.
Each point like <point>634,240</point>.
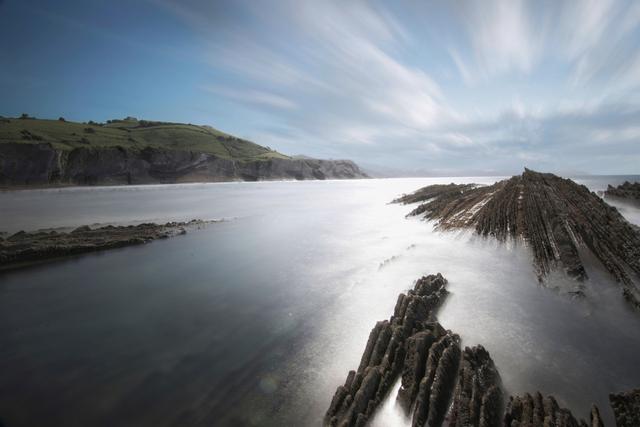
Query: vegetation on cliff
<point>131,133</point>
<point>131,151</point>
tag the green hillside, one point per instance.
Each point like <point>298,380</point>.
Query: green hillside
<point>132,134</point>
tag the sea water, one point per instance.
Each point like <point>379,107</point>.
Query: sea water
<point>256,320</point>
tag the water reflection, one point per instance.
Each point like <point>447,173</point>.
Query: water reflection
<point>255,321</point>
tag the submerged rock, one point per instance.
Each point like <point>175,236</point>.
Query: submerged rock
<point>555,216</point>
<point>22,248</point>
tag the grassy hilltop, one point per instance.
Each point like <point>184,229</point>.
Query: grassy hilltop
<point>132,134</point>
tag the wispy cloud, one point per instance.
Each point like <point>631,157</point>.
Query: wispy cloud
<point>252,97</point>
<point>361,79</point>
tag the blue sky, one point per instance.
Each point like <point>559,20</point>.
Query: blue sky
<point>436,86</point>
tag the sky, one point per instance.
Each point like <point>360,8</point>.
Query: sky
<point>437,87</point>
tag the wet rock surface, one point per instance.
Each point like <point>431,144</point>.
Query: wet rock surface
<point>383,360</point>
<point>26,248</point>
<point>442,385</point>
<point>556,217</point>
<point>626,408</point>
<point>628,191</point>
<point>436,387</point>
<point>478,399</point>
<point>538,411</point>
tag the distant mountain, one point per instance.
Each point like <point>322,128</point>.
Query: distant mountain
<point>131,151</point>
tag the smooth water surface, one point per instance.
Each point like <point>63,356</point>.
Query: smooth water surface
<point>257,319</point>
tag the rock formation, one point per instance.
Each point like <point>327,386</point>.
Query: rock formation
<point>384,357</point>
<point>626,191</point>
<point>413,343</point>
<point>436,387</point>
<point>24,248</point>
<point>536,411</point>
<point>626,408</point>
<point>555,216</point>
<point>478,397</point>
<point>441,385</point>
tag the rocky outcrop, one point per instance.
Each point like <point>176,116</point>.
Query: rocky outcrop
<point>436,387</point>
<point>627,191</point>
<point>555,216</point>
<point>626,408</point>
<point>478,399</point>
<point>442,386</point>
<point>536,411</point>
<point>42,164</point>
<point>22,248</point>
<point>384,357</point>
<point>413,343</point>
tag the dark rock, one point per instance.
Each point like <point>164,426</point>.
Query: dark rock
<point>40,163</point>
<point>626,408</point>
<point>555,216</point>
<point>436,387</point>
<point>478,397</point>
<point>23,249</point>
<point>596,420</point>
<point>383,359</point>
<point>626,191</point>
<point>415,362</point>
<point>82,229</point>
<point>536,411</point>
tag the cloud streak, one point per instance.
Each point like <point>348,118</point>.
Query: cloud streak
<point>432,85</point>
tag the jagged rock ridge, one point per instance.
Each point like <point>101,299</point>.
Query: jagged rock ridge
<point>384,357</point>
<point>626,190</point>
<point>441,385</point>
<point>626,408</point>
<point>538,411</point>
<point>414,344</point>
<point>555,216</point>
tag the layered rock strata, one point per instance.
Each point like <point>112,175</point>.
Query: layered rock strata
<point>478,399</point>
<point>556,217</point>
<point>384,357</point>
<point>626,408</point>
<point>538,411</point>
<point>440,385</point>
<point>44,164</point>
<point>628,191</point>
<point>24,248</point>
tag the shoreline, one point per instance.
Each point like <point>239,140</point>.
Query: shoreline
<point>60,186</point>
<point>14,189</point>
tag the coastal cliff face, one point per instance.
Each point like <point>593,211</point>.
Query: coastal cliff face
<point>42,164</point>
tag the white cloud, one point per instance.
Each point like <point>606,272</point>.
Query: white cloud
<point>501,35</point>
<point>351,79</point>
<point>252,97</point>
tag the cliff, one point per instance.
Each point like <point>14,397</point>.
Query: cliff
<point>48,152</point>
